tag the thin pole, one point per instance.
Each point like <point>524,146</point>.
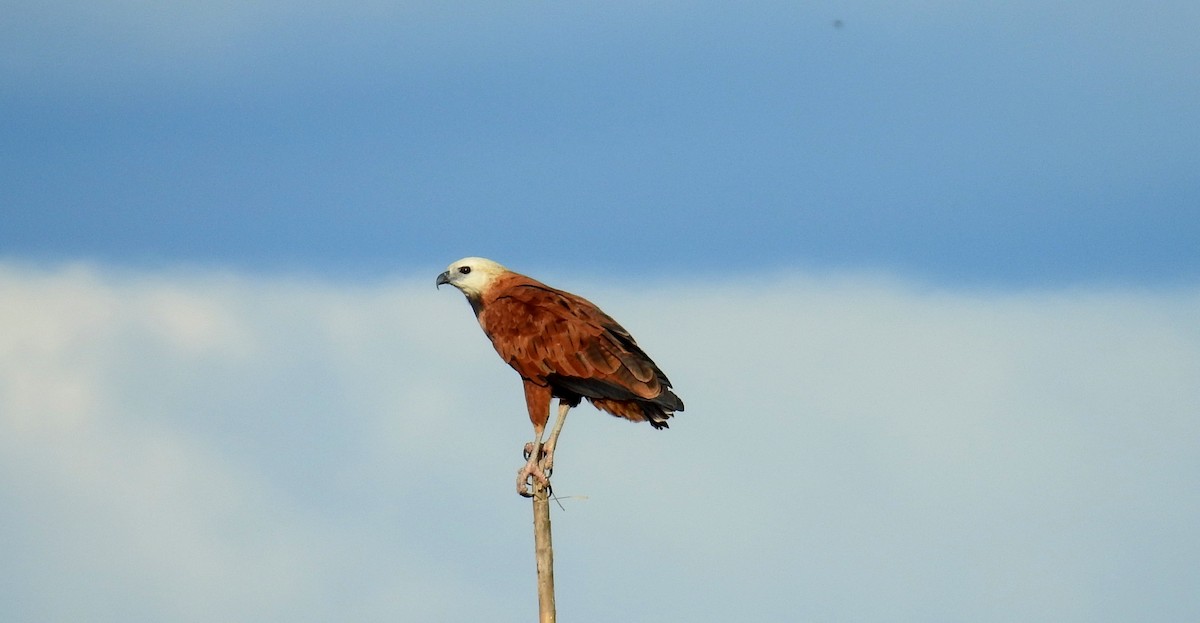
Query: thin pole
<point>544,551</point>
<point>543,546</point>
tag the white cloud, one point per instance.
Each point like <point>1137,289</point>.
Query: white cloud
<point>214,447</point>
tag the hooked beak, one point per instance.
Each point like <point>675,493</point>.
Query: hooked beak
<point>443,278</point>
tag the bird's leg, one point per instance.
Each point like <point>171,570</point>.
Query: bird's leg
<point>537,401</point>
<point>532,468</point>
<point>539,457</point>
<point>548,449</point>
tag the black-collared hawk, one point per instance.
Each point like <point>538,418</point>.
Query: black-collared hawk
<point>564,347</point>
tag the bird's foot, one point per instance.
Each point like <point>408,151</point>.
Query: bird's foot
<point>546,456</point>
<point>531,472</point>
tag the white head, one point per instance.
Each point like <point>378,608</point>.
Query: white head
<point>472,275</point>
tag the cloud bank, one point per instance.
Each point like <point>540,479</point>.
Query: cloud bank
<point>205,446</point>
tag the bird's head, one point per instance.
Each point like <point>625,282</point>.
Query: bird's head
<point>471,275</point>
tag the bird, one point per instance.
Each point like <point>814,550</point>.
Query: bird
<point>562,346</point>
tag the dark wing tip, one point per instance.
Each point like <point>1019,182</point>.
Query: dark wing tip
<point>668,400</point>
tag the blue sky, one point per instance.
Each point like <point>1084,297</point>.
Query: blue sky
<point>926,281</point>
<point>1011,144</point>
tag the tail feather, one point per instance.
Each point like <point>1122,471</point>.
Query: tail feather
<point>656,411</point>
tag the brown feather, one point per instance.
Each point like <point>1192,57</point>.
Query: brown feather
<point>564,346</point>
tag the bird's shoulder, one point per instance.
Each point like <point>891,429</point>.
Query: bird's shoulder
<point>519,291</point>
<point>519,303</point>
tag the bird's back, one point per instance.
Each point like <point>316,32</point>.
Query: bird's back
<point>555,338</point>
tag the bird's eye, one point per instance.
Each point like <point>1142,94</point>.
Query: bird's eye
<point>464,270</point>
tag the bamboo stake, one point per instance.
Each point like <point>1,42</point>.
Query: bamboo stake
<point>544,552</point>
<point>543,546</point>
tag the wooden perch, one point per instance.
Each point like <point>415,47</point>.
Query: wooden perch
<point>544,551</point>
<point>543,544</point>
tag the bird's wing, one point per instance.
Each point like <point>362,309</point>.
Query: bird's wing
<point>547,334</point>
